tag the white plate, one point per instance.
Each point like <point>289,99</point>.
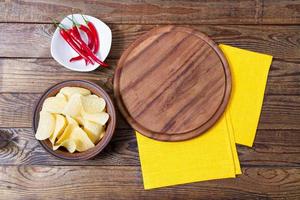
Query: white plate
<point>62,52</point>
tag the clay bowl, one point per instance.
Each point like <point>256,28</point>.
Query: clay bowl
<point>110,127</point>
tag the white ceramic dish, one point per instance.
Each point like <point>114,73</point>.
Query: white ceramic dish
<point>62,52</point>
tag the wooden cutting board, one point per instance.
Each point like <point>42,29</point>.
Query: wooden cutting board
<point>172,84</point>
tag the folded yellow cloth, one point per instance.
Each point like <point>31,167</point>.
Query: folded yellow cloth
<point>212,155</point>
<point>249,71</point>
<point>209,156</point>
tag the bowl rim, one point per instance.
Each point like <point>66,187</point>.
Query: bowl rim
<point>88,154</point>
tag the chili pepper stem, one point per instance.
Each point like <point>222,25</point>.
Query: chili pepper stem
<point>85,20</point>
<point>77,24</point>
<point>59,25</point>
<point>73,21</point>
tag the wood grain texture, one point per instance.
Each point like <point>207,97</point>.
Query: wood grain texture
<point>272,148</point>
<point>157,11</point>
<point>185,64</point>
<point>282,42</point>
<point>270,168</point>
<point>44,182</point>
<point>35,75</point>
<point>278,112</point>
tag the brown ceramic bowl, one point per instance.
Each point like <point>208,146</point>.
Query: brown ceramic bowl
<point>110,128</point>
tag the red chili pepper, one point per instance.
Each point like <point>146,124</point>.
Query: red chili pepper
<point>90,40</point>
<point>86,49</point>
<point>74,29</point>
<point>69,39</point>
<point>79,57</point>
<point>95,34</point>
<point>79,45</point>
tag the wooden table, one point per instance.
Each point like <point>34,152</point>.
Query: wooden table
<point>271,169</point>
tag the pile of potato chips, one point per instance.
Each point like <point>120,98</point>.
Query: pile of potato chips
<point>74,119</point>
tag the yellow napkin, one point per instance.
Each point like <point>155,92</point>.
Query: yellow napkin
<point>212,155</point>
<point>249,71</point>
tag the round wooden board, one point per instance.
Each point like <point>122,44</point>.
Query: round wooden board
<point>172,84</point>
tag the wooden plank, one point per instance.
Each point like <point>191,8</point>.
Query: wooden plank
<point>271,148</point>
<point>285,108</point>
<point>282,42</point>
<point>157,12</point>
<point>280,12</point>
<point>36,75</point>
<point>125,182</point>
<point>283,78</point>
<point>278,112</point>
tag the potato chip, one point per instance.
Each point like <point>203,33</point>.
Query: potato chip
<point>99,118</point>
<point>70,120</point>
<point>93,130</point>
<point>68,144</point>
<point>69,91</point>
<point>102,134</point>
<point>74,106</point>
<point>79,120</point>
<point>72,124</point>
<point>60,124</point>
<point>61,96</point>
<point>46,126</point>
<point>63,116</point>
<point>81,140</point>
<point>93,104</point>
<point>54,104</point>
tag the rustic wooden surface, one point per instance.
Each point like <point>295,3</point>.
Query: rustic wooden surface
<point>271,169</point>
<point>183,63</point>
